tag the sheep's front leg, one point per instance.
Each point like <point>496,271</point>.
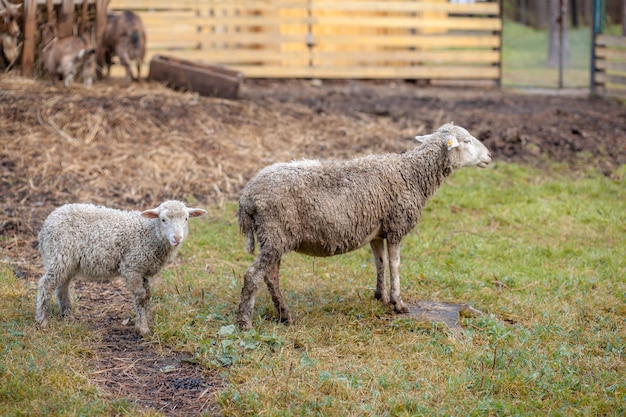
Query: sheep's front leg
<point>273,284</point>
<point>380,260</point>
<point>259,269</point>
<point>394,272</point>
<point>139,286</point>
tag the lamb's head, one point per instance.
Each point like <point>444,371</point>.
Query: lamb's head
<point>172,219</point>
<point>465,150</point>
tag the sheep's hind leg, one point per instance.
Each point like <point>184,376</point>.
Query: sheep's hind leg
<point>45,288</point>
<point>394,272</point>
<point>63,297</point>
<point>380,260</point>
<point>251,280</point>
<point>273,284</point>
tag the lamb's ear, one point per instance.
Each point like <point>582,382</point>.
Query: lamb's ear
<point>150,214</point>
<point>196,212</point>
<point>452,142</point>
<point>423,138</point>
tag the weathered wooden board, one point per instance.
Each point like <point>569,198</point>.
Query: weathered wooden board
<point>205,79</point>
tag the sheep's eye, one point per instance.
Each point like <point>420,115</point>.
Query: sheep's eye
<point>163,220</point>
<point>186,218</point>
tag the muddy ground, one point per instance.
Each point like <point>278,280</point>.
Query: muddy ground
<point>133,147</point>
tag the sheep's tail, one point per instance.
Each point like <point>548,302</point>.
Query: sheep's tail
<point>246,226</point>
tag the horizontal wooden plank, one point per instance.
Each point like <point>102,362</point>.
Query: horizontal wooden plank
<point>611,66</point>
<point>277,55</point>
<point>56,2</point>
<point>611,54</point>
<point>610,91</point>
<point>481,8</point>
<point>154,4</point>
<point>388,40</point>
<point>280,71</point>
<point>611,40</point>
<point>372,72</point>
<point>439,41</point>
<point>605,78</point>
<point>193,21</point>
<point>408,6</point>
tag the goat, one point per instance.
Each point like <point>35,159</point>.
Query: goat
<point>10,33</point>
<point>66,57</point>
<point>125,37</point>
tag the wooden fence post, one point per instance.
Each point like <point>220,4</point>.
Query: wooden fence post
<point>30,27</point>
<point>66,19</point>
<point>101,22</point>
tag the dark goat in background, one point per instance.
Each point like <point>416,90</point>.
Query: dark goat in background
<point>125,37</point>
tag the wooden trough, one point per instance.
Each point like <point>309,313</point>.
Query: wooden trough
<point>205,79</point>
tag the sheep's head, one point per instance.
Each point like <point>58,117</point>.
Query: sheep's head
<point>172,219</point>
<point>465,150</point>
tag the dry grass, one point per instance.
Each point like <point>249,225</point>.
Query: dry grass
<point>132,147</point>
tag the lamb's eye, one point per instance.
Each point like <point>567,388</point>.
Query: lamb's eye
<point>163,220</point>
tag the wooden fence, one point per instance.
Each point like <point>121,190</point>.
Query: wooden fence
<point>609,75</point>
<point>406,39</point>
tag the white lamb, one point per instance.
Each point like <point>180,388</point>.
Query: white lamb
<point>326,208</point>
<point>101,243</point>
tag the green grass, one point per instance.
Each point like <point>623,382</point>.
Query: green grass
<point>524,55</point>
<point>543,255</point>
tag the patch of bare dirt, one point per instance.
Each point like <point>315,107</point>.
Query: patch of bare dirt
<point>134,147</point>
<point>129,366</point>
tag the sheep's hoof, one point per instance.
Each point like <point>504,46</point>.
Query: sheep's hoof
<point>286,319</point>
<point>244,325</point>
<point>383,298</point>
<point>401,308</point>
<point>42,324</point>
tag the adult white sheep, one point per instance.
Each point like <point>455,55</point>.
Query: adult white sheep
<point>101,243</point>
<point>326,208</point>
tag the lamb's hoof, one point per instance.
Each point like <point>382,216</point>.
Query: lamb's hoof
<point>42,324</point>
<point>143,331</point>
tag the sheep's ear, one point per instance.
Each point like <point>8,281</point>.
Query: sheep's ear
<point>150,214</point>
<point>452,142</point>
<point>196,212</point>
<point>423,138</point>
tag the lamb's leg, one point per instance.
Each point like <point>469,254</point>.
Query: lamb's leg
<point>259,269</point>
<point>273,284</point>
<point>139,286</point>
<point>380,260</point>
<point>63,297</point>
<point>45,288</point>
<point>394,272</point>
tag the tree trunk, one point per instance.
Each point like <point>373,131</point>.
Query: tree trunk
<point>558,17</point>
